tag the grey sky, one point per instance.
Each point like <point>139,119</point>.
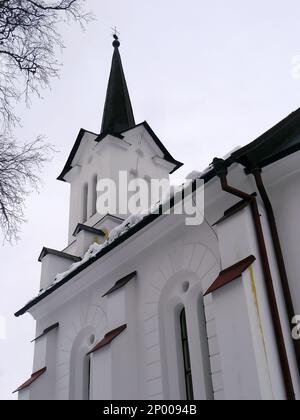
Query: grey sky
<point>207,76</point>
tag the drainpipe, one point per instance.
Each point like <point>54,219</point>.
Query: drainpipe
<point>221,171</point>
<point>279,255</point>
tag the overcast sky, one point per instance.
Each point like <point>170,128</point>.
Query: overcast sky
<point>207,76</point>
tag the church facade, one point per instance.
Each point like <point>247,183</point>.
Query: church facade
<point>150,308</point>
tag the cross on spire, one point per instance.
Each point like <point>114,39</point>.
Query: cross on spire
<point>115,32</point>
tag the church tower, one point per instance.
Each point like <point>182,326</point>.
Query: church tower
<point>122,149</point>
<point>122,152</point>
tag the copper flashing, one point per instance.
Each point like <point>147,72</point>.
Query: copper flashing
<point>89,229</point>
<point>46,331</point>
<point>121,283</point>
<point>241,205</point>
<point>46,251</point>
<point>108,338</point>
<point>231,273</point>
<point>32,379</point>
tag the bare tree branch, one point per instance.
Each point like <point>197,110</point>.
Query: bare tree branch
<point>19,174</point>
<point>29,39</point>
<point>29,42</point>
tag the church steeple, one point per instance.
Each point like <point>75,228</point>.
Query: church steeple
<point>118,114</point>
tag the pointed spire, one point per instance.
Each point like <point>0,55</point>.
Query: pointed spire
<point>118,114</point>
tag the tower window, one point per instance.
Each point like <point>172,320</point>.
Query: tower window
<point>94,195</point>
<point>186,357</point>
<point>85,203</point>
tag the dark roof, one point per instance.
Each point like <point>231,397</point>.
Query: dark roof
<point>231,273</point>
<point>121,283</point>
<point>46,331</point>
<point>32,379</point>
<point>86,228</point>
<point>280,141</point>
<point>68,165</point>
<point>167,155</point>
<point>108,338</point>
<point>118,113</point>
<point>46,251</point>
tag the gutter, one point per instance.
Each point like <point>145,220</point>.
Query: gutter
<point>146,221</point>
<point>135,229</point>
<point>221,171</point>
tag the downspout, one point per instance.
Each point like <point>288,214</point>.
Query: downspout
<point>279,255</point>
<point>221,171</point>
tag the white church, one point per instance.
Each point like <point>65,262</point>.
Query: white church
<point>149,308</point>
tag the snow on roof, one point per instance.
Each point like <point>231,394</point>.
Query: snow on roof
<point>95,248</point>
<point>118,231</point>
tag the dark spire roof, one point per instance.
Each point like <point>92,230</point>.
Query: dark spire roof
<point>118,115</point>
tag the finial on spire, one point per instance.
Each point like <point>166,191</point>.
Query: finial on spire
<point>116,42</point>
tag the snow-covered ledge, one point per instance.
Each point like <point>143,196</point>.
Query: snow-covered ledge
<point>53,262</point>
<point>86,236</point>
<point>108,222</point>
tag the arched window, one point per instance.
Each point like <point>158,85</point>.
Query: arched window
<point>186,357</point>
<point>84,203</point>
<point>86,376</point>
<point>80,366</point>
<point>94,195</point>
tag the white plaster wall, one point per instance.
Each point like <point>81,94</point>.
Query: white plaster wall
<point>51,265</point>
<point>166,255</point>
<point>137,351</point>
<point>285,197</point>
<point>134,154</point>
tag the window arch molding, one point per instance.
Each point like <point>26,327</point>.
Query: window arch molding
<point>79,379</point>
<point>173,300</point>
